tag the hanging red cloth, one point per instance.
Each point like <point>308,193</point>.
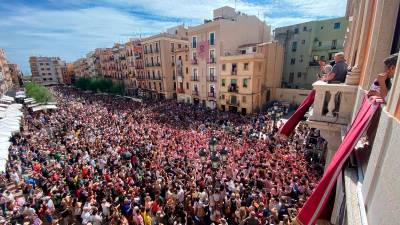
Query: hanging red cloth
<point>315,204</point>
<point>289,126</point>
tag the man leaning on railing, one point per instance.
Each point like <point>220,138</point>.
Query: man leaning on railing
<point>339,70</point>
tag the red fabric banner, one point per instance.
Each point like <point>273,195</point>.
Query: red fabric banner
<point>202,50</point>
<point>289,126</point>
<point>314,205</point>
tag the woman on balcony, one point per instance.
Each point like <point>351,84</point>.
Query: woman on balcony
<point>382,84</point>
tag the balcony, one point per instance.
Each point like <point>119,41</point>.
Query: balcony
<point>232,103</point>
<point>157,64</point>
<point>195,92</point>
<point>333,103</point>
<point>212,78</point>
<point>233,89</point>
<point>212,60</point>
<point>180,91</point>
<point>194,62</point>
<point>211,94</point>
<point>194,78</point>
<point>234,72</point>
<point>314,63</point>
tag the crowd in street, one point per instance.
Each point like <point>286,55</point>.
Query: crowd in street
<point>99,159</point>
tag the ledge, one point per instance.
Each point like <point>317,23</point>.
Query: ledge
<point>324,86</point>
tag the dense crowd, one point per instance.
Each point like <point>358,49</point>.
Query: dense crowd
<point>99,159</point>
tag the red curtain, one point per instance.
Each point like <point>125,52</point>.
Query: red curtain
<point>289,126</point>
<point>314,205</point>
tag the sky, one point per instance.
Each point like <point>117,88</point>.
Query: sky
<point>71,28</point>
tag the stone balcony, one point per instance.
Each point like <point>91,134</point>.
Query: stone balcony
<point>333,103</point>
<point>332,112</point>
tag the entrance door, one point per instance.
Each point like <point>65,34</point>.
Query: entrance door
<point>244,111</point>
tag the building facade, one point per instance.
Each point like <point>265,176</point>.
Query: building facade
<point>215,38</point>
<point>182,74</point>
<point>367,189</point>
<point>47,70</point>
<point>305,44</point>
<point>249,77</point>
<point>159,63</point>
<point>16,74</point>
<point>5,75</point>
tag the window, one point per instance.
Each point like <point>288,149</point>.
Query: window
<point>245,82</point>
<point>50,78</point>
<point>315,57</point>
<point>41,64</point>
<point>322,57</point>
<point>223,67</point>
<point>303,42</point>
<point>179,45</point>
<point>172,47</point>
<point>292,61</point>
<point>246,66</point>
<point>336,26</point>
<point>296,30</point>
<point>331,55</point>
<point>244,99</point>
<point>304,28</point>
<point>223,96</point>
<point>234,69</point>
<point>174,86</point>
<point>298,74</point>
<point>44,79</point>
<point>159,85</point>
<point>254,49</point>
<point>322,27</point>
<point>187,85</point>
<point>194,42</point>
<point>212,38</point>
<point>223,82</point>
<point>186,58</point>
<point>187,70</point>
<point>291,77</point>
<point>294,46</point>
<point>301,58</point>
<point>319,44</point>
<point>334,43</point>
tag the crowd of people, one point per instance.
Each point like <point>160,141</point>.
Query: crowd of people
<point>99,159</point>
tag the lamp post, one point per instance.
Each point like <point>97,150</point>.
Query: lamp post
<point>224,153</point>
<point>212,143</point>
<point>203,154</point>
<point>215,161</point>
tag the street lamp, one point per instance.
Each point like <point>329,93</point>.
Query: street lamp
<point>215,161</point>
<point>203,154</point>
<point>212,143</point>
<point>224,153</point>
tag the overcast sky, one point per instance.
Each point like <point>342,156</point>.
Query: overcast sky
<point>70,29</point>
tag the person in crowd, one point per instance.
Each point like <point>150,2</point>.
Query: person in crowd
<point>339,70</point>
<point>383,83</point>
<point>99,159</point>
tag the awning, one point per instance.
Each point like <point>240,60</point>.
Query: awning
<point>292,122</point>
<point>315,204</point>
<point>43,107</point>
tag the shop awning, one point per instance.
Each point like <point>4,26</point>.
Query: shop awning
<point>292,122</point>
<point>315,204</point>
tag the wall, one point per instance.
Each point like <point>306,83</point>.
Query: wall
<point>293,96</point>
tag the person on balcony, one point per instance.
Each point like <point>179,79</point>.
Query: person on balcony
<point>339,70</point>
<point>324,67</point>
<point>382,84</point>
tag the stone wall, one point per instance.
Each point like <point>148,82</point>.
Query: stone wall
<point>293,96</point>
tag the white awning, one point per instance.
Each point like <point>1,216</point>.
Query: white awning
<point>43,107</point>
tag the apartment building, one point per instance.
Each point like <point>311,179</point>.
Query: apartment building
<point>367,185</point>
<point>209,41</point>
<point>47,70</point>
<point>159,62</point>
<point>305,44</point>
<point>70,77</point>
<point>182,73</point>
<point>16,74</point>
<point>5,75</point>
<point>135,65</point>
<point>248,77</point>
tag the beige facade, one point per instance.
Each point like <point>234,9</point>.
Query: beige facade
<point>208,42</point>
<point>249,78</point>
<point>159,63</point>
<point>47,70</point>
<point>135,65</point>
<point>182,73</point>
<point>15,73</point>
<point>5,75</point>
<point>369,192</point>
